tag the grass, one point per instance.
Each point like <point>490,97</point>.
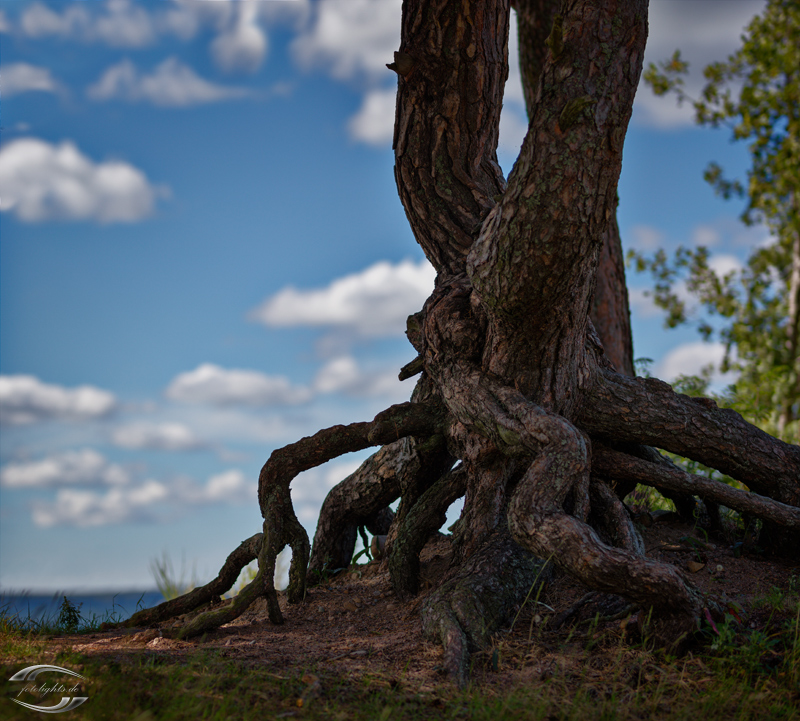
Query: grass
<point>581,673</point>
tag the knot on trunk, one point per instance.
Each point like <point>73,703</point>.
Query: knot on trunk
<point>455,323</point>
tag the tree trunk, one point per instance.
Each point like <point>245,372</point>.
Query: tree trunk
<point>516,382</point>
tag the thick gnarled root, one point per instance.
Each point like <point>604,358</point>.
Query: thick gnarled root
<point>246,552</point>
<point>482,597</point>
<point>425,518</point>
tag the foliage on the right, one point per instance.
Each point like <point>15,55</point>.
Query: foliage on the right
<point>754,311</point>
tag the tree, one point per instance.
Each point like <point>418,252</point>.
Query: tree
<point>756,93</point>
<point>517,406</point>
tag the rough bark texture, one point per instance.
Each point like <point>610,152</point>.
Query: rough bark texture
<point>610,311</point>
<point>463,613</point>
<point>534,399</point>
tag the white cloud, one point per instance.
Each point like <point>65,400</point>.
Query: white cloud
<point>705,235</point>
<point>343,375</point>
<point>642,303</point>
<point>125,24</point>
<point>86,508</point>
<point>227,487</point>
<point>172,84</point>
<point>513,90</point>
<point>723,264</point>
<point>40,21</point>
<point>243,45</point>
<point>209,383</point>
<point>374,302</point>
<point>351,37</point>
<point>374,122</point>
<point>704,33</point>
<point>645,238</point>
<point>240,41</point>
<point>25,399</point>
<point>310,488</point>
<point>85,467</point>
<point>122,24</point>
<point>4,26</point>
<point>19,78</point>
<point>513,128</point>
<point>690,359</point>
<point>162,437</point>
<point>40,182</point>
<point>150,501</point>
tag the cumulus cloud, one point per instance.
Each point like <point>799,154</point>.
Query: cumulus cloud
<point>722,264</point>
<point>374,122</point>
<point>691,359</point>
<point>310,488</point>
<point>642,303</point>
<point>703,34</point>
<point>172,84</point>
<point>705,235</point>
<point>239,43</point>
<point>149,501</point>
<point>85,467</point>
<point>121,24</point>
<point>645,238</point>
<point>38,20</point>
<point>374,302</point>
<point>40,181</point>
<point>19,78</point>
<point>243,45</point>
<point>161,437</point>
<point>344,375</point>
<point>86,508</point>
<point>25,399</point>
<point>208,383</point>
<point>351,37</point>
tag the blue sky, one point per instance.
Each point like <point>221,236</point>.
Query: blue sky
<point>203,258</point>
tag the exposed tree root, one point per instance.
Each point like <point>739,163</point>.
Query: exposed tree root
<point>609,463</point>
<point>648,411</point>
<point>246,552</point>
<point>482,596</point>
<point>357,500</point>
<point>425,518</point>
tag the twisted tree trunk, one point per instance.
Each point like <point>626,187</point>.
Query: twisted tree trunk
<point>517,383</point>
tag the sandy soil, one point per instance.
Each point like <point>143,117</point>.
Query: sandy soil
<point>353,625</point>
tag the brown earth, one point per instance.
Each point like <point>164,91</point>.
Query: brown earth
<point>353,626</point>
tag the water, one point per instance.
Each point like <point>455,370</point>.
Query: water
<point>92,605</point>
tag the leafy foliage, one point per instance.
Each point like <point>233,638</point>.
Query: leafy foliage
<point>754,311</point>
<point>69,617</point>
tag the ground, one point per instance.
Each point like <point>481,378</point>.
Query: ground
<point>351,630</point>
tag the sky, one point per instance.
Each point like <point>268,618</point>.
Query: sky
<point>203,258</point>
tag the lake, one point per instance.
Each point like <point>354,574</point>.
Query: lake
<point>92,605</point>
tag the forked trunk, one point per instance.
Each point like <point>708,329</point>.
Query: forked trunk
<point>524,405</point>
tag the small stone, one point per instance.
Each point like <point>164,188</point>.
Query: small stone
<point>348,605</point>
<point>695,566</point>
<point>145,636</point>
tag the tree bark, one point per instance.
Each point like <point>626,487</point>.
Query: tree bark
<point>516,383</point>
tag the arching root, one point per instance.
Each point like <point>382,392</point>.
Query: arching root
<point>247,551</point>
